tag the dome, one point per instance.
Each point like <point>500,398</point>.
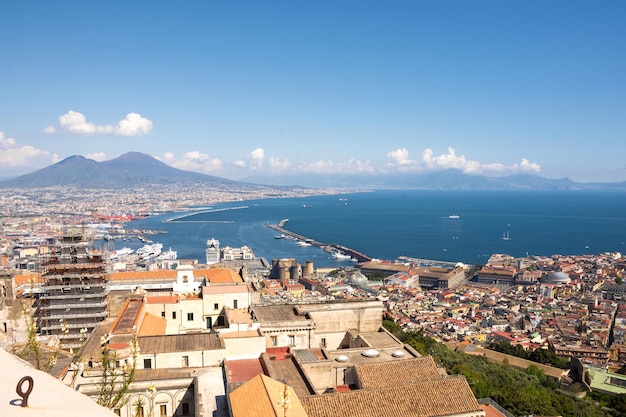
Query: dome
<point>556,278</point>
<point>370,353</point>
<point>358,279</point>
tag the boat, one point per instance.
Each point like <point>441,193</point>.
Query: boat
<point>342,256</point>
<point>303,243</point>
<point>306,206</point>
<point>150,251</point>
<point>454,216</point>
<point>119,253</point>
<point>281,236</point>
<point>505,236</point>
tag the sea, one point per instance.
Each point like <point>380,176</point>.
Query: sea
<point>453,226</point>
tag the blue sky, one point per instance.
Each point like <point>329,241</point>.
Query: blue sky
<point>238,88</point>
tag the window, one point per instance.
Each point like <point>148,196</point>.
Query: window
<point>163,410</point>
<point>274,340</point>
<point>216,306</point>
<point>147,364</point>
<point>163,314</point>
<point>185,361</point>
<point>292,340</point>
<point>173,314</point>
<point>323,342</point>
<point>234,303</point>
<point>186,409</point>
<point>189,316</point>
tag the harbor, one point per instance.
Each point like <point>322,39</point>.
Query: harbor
<point>338,251</point>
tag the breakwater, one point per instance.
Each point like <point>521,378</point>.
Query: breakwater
<point>328,247</point>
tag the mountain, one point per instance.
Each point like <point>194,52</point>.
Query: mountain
<point>135,169</point>
<point>450,179</point>
<point>128,170</point>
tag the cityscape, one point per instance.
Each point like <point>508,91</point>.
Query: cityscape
<point>313,209</point>
<point>222,322</point>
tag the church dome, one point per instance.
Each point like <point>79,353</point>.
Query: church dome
<point>556,278</point>
<point>358,279</point>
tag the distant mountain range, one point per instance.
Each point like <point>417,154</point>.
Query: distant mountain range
<point>129,170</point>
<point>450,179</point>
<point>135,169</point>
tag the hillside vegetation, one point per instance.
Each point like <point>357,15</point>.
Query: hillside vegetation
<point>520,392</point>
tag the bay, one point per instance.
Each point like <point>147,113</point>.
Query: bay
<point>420,224</point>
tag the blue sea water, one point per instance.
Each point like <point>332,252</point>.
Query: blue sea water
<point>392,223</point>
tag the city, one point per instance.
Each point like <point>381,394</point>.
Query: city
<point>234,317</point>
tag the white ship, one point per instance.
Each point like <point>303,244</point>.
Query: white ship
<point>150,251</point>
<point>342,256</point>
<point>120,253</point>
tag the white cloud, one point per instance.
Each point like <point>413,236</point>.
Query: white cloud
<point>14,156</point>
<point>193,161</point>
<point>240,164</point>
<point>400,157</point>
<point>76,123</point>
<point>351,166</point>
<point>97,156</point>
<point>256,157</point>
<point>278,164</point>
<point>452,160</point>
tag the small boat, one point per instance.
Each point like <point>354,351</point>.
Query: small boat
<point>281,236</point>
<point>454,216</point>
<point>303,243</point>
<point>505,236</point>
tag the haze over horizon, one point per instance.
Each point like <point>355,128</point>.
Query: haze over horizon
<point>234,89</point>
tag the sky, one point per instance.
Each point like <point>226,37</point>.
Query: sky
<point>243,88</point>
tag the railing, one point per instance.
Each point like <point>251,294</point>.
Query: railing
<point>66,306</point>
<point>75,316</point>
<point>489,401</point>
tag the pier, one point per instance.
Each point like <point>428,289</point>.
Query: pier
<point>329,247</point>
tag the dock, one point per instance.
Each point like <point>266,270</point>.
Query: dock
<point>329,247</point>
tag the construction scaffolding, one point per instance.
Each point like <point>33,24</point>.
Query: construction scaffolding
<point>74,291</point>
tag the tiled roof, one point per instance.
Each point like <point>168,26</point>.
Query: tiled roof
<point>389,374</point>
<point>162,299</point>
<point>179,343</point>
<point>218,275</point>
<point>261,397</point>
<point>143,275</point>
<point>447,396</point>
<point>152,325</point>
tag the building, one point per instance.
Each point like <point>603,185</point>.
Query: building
<point>74,290</point>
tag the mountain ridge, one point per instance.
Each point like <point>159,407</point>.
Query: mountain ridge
<point>134,169</point>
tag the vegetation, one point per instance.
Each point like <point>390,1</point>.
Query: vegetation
<point>114,383</point>
<point>43,358</point>
<point>520,392</point>
<point>542,356</point>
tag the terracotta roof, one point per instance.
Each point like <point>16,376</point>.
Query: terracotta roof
<point>242,370</point>
<point>218,275</point>
<point>128,318</point>
<point>152,325</point>
<point>261,396</point>
<point>162,299</point>
<point>447,396</point>
<point>389,374</point>
<point>143,275</point>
